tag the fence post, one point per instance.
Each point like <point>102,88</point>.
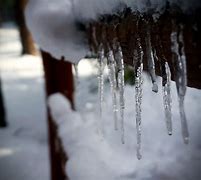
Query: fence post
<point>58,78</point>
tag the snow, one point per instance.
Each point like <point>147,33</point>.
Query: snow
<point>164,157</point>
<point>23,144</point>
<point>54,29</point>
<point>54,23</point>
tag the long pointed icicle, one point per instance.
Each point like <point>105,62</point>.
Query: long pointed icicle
<point>121,84</point>
<point>150,61</point>
<point>181,79</point>
<point>101,82</point>
<point>167,99</point>
<point>138,94</point>
<point>113,84</point>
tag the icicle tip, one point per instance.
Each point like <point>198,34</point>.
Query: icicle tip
<point>155,88</point>
<point>186,140</point>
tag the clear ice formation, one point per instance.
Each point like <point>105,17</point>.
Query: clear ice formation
<point>181,77</point>
<point>167,99</point>
<point>101,57</point>
<point>76,73</point>
<point>138,94</point>
<point>115,63</point>
<point>150,62</point>
<point>138,99</point>
<point>121,86</point>
<point>113,84</point>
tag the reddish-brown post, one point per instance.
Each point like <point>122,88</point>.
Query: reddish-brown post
<point>58,78</point>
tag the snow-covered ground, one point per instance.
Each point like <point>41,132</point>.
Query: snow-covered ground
<point>164,157</point>
<point>23,144</point>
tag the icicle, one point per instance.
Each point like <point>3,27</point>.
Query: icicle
<point>181,78</point>
<point>138,99</point>
<point>75,66</point>
<point>113,84</point>
<point>121,84</point>
<point>138,94</point>
<point>151,63</point>
<point>167,100</point>
<point>101,82</point>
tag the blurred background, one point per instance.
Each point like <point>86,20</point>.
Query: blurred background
<point>23,126</point>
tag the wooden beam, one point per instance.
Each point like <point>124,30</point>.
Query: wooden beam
<point>126,27</point>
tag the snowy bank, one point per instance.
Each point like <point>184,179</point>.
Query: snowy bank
<point>92,158</point>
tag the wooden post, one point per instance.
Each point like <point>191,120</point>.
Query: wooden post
<point>58,78</point>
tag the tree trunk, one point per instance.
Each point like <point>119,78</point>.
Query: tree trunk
<point>28,46</point>
<point>2,109</point>
<point>58,78</point>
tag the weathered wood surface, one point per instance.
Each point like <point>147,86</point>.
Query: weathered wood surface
<point>126,27</point>
<point>58,78</point>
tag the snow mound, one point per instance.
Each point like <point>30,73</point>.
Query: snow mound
<point>91,158</point>
<point>54,29</point>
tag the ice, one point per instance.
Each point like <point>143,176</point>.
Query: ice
<point>150,61</point>
<point>121,85</point>
<point>181,78</point>
<point>138,93</point>
<point>167,99</point>
<point>101,82</point>
<point>138,99</point>
<point>75,66</point>
<point>113,84</point>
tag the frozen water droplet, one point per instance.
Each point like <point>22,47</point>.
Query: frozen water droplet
<point>113,84</point>
<point>155,87</point>
<point>167,100</point>
<point>181,77</point>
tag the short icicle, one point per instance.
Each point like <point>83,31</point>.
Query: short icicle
<point>75,66</point>
<point>181,78</point>
<point>113,84</point>
<point>121,86</point>
<point>167,99</point>
<point>138,94</point>
<point>101,83</point>
<point>150,61</point>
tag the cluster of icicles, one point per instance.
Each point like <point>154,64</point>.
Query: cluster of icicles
<point>115,64</point>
